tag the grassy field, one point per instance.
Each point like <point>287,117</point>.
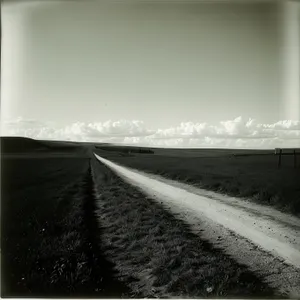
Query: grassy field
<point>71,227</point>
<point>50,243</point>
<point>250,174</point>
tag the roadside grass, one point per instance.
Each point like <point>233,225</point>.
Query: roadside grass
<point>157,254</point>
<point>49,244</point>
<point>255,177</point>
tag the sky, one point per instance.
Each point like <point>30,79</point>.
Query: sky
<point>165,73</point>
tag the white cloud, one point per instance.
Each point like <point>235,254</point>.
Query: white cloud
<point>236,133</point>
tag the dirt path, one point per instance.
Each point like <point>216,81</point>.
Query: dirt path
<point>262,238</point>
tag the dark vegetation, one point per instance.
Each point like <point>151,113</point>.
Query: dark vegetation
<point>243,173</point>
<point>125,149</point>
<point>50,243</point>
<point>158,254</point>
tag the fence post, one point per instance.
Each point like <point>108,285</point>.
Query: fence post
<point>279,159</point>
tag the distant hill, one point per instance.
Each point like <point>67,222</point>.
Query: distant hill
<point>23,145</point>
<point>20,145</point>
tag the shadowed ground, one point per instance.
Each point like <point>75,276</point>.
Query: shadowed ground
<point>50,241</point>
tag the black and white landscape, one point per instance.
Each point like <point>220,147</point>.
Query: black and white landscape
<point>150,149</point>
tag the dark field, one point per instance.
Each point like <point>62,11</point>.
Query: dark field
<point>50,242</point>
<point>71,228</point>
<point>249,173</point>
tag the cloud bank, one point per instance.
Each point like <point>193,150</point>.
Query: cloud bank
<point>236,133</point>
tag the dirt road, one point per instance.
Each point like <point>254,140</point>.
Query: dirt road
<point>266,240</point>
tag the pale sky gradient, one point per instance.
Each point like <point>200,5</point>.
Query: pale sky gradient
<point>159,62</point>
